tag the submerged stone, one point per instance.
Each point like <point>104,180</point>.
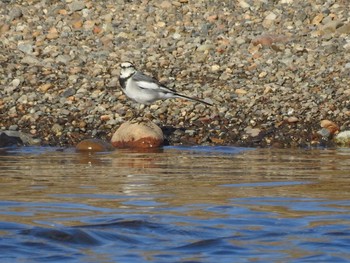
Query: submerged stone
<point>93,145</point>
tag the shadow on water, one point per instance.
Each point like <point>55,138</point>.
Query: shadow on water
<point>176,204</point>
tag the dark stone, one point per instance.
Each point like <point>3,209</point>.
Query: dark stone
<point>6,140</point>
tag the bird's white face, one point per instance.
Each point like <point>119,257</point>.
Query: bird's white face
<point>127,69</point>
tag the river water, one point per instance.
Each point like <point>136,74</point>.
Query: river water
<point>176,204</point>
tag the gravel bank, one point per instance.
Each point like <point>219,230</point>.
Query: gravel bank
<point>273,69</point>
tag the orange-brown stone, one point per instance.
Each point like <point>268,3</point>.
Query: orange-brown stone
<point>93,145</point>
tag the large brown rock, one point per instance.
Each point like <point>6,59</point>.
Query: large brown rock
<point>138,135</point>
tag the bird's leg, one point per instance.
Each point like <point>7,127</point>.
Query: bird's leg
<point>139,115</point>
<point>133,113</point>
<point>142,113</point>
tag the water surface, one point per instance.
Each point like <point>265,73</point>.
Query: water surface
<point>177,204</point>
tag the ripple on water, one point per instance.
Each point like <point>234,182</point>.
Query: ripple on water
<point>181,204</point>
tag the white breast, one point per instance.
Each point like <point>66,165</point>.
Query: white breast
<point>145,95</point>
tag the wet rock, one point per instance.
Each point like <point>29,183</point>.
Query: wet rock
<point>6,140</point>
<point>11,137</point>
<point>93,145</point>
<point>343,138</point>
<point>138,135</point>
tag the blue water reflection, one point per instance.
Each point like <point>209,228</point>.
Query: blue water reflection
<point>184,204</point>
<point>209,150</point>
<point>236,232</point>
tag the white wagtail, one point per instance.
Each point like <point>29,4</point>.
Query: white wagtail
<point>145,89</point>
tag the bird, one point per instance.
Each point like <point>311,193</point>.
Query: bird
<point>145,89</point>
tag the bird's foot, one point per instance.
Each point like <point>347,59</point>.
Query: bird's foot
<point>139,120</point>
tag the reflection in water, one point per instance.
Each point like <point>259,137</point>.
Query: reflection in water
<point>193,204</point>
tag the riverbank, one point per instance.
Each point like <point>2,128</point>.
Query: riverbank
<point>273,74</point>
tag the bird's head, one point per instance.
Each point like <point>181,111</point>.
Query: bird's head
<point>127,69</point>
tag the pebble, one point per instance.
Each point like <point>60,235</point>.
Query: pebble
<point>176,36</point>
<point>344,29</point>
<point>30,60</point>
<point>263,74</point>
<point>23,99</point>
<point>13,127</point>
<point>64,59</point>
<point>205,47</point>
<point>292,119</point>
<point>52,34</point>
<point>68,92</point>
<point>76,6</point>
<point>215,67</point>
<point>241,91</point>
<point>324,133</point>
<point>253,132</point>
<point>165,5</point>
<point>15,83</point>
<point>25,47</point>
<point>243,4</point>
<point>15,13</point>
<point>56,128</point>
<point>45,87</point>
<point>343,139</point>
<point>269,20</point>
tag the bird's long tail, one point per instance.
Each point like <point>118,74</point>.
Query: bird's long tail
<point>193,99</point>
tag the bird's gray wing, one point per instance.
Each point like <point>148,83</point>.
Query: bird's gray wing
<point>147,82</point>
